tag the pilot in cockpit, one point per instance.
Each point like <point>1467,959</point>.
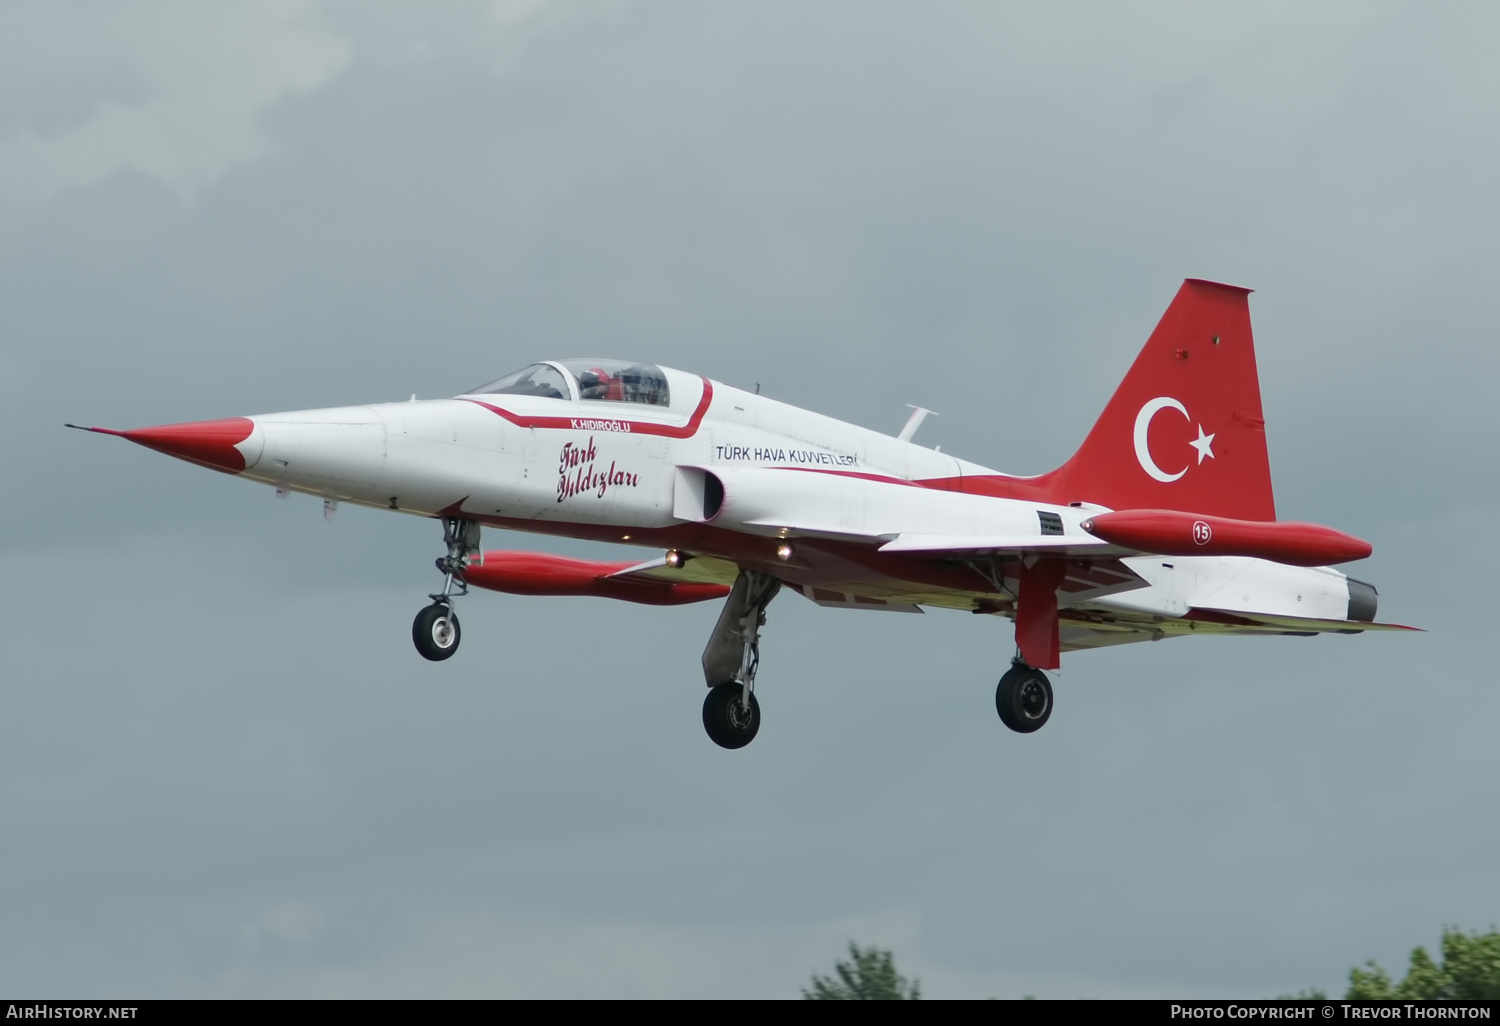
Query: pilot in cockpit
<point>595,384</point>
<point>615,381</point>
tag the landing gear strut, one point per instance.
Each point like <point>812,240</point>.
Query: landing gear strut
<point>435,631</point>
<point>731,714</point>
<point>1024,698</point>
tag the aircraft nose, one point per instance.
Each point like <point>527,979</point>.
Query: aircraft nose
<point>231,444</point>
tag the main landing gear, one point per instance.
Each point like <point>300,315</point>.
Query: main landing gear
<point>730,721</point>
<point>1024,698</point>
<point>435,631</point>
<point>731,715</point>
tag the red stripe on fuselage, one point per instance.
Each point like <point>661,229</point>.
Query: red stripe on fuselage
<point>881,478</point>
<point>633,427</point>
<point>993,486</point>
<point>998,486</point>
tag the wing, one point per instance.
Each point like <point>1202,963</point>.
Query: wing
<point>1015,545</point>
<point>712,570</point>
<point>692,570</point>
<point>905,573</point>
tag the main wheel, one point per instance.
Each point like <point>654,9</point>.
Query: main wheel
<point>1024,699</point>
<point>435,632</point>
<point>729,722</point>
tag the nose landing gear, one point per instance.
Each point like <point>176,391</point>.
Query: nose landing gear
<point>435,631</point>
<point>1024,698</point>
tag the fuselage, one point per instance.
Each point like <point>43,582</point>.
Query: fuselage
<point>624,472</point>
<point>1161,524</point>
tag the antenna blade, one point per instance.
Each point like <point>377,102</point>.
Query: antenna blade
<point>918,414</point>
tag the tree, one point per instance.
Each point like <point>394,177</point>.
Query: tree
<point>1470,971</point>
<point>869,975</point>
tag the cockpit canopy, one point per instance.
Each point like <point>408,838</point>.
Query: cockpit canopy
<point>618,381</point>
<point>541,379</point>
<point>537,380</point>
<point>597,380</point>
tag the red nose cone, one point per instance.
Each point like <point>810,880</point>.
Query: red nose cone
<point>208,443</point>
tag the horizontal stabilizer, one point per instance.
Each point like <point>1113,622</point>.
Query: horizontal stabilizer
<point>1281,624</point>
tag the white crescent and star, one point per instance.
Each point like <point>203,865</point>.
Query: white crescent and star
<point>1204,443</point>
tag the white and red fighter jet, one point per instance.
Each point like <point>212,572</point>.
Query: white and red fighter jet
<point>1161,525</point>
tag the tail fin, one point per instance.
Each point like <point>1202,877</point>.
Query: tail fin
<point>1184,431</point>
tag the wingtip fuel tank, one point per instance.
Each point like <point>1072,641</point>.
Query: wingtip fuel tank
<point>541,573</point>
<point>1167,532</point>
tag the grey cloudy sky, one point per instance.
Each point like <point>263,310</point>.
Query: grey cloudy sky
<point>227,773</point>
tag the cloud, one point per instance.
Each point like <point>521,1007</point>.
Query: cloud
<point>289,922</point>
<point>207,75</point>
<point>508,26</point>
<point>516,17</point>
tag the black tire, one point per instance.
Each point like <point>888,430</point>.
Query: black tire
<point>435,632</point>
<point>725,716</point>
<point>1024,699</point>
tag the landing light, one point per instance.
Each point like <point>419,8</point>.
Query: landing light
<point>674,559</point>
<point>784,551</point>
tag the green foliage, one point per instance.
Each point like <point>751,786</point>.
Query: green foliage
<point>1371,984</point>
<point>1470,971</point>
<point>869,975</point>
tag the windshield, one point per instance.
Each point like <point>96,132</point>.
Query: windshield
<point>538,379</point>
<point>619,381</point>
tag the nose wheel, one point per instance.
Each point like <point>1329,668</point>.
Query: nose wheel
<point>1024,698</point>
<point>435,632</point>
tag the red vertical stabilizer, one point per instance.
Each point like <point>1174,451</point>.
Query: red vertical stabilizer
<point>1184,431</point>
